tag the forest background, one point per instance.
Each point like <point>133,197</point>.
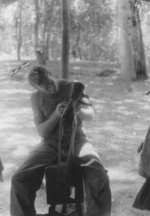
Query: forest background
<point>104,55</point>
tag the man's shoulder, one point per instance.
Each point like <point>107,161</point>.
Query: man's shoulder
<point>35,95</point>
<point>64,83</point>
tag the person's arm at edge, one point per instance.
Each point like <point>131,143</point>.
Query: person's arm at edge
<point>1,170</point>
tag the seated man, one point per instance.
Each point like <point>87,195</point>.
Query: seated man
<point>48,104</point>
<point>1,170</point>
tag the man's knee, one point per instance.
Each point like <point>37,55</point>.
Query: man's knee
<point>103,176</point>
<point>14,179</point>
<point>17,176</point>
<point>97,176</point>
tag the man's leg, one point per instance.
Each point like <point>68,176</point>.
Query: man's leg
<point>96,182</point>
<point>27,180</point>
<point>97,191</point>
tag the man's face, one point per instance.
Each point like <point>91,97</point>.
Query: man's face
<point>43,80</point>
<point>49,85</point>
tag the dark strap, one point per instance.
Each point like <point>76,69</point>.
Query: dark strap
<point>68,118</point>
<point>63,166</point>
<point>61,133</point>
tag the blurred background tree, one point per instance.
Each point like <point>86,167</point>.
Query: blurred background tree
<point>33,29</point>
<point>92,28</point>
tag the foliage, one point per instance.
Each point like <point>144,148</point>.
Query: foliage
<point>96,23</point>
<point>93,28</point>
<point>145,23</point>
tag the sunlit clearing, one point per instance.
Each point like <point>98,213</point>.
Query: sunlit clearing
<point>8,168</point>
<point>14,91</point>
<point>121,174</point>
<point>20,150</point>
<point>6,187</point>
<point>7,125</point>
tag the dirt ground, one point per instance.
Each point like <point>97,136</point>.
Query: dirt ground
<point>119,126</point>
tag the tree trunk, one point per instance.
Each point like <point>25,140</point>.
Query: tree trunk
<point>76,50</point>
<point>49,24</point>
<point>138,45</point>
<point>18,29</point>
<point>126,46</point>
<point>39,50</point>
<point>44,32</point>
<point>65,39</point>
<point>131,48</point>
<point>40,55</point>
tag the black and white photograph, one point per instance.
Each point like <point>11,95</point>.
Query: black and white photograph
<point>74,107</point>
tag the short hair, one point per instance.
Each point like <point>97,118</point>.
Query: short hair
<point>37,75</point>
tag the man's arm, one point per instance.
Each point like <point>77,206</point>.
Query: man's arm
<point>45,126</point>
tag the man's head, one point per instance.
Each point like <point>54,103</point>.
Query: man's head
<point>40,78</point>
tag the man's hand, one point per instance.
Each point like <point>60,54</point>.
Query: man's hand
<point>77,109</point>
<point>61,107</point>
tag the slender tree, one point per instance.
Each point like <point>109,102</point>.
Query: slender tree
<point>49,16</point>
<point>131,46</point>
<point>39,50</point>
<point>138,45</point>
<point>65,39</point>
<point>126,48</point>
<point>18,25</point>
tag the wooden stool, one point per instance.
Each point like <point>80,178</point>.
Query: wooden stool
<point>60,193</point>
